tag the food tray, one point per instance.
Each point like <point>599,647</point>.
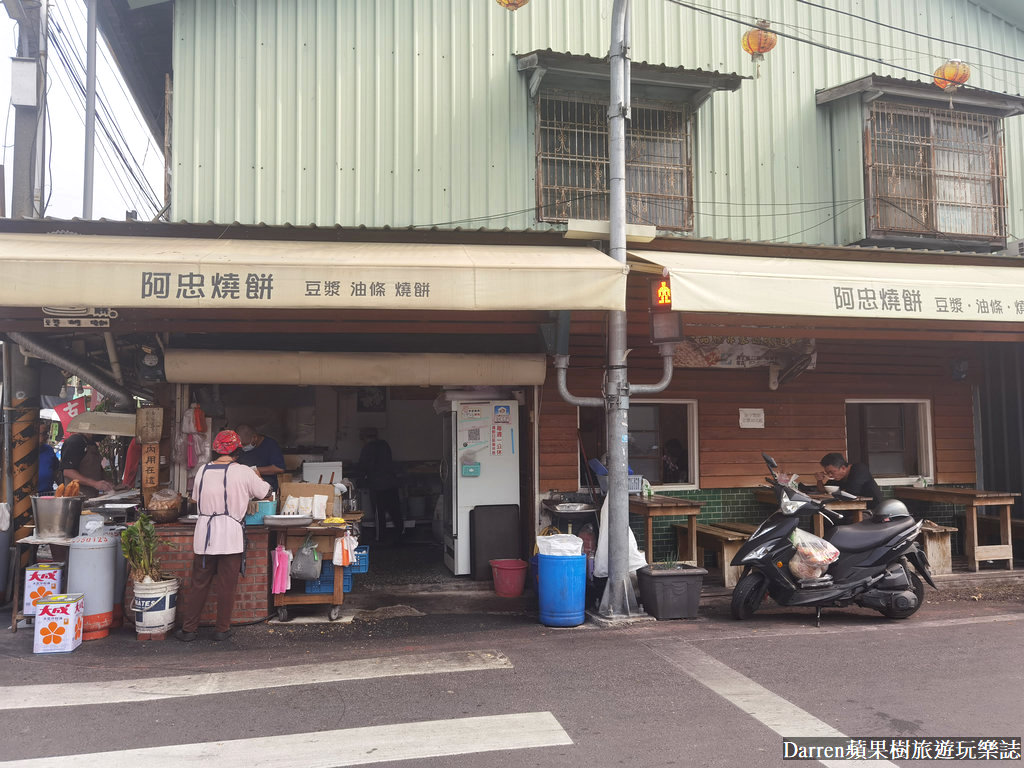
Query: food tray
<point>287,521</point>
<point>325,583</point>
<point>362,563</point>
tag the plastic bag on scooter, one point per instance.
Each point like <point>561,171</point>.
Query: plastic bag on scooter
<point>812,549</point>
<point>804,570</point>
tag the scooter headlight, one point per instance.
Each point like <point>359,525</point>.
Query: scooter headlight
<point>757,554</point>
<point>790,506</point>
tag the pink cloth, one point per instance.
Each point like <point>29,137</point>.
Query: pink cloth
<point>281,581</point>
<point>225,535</point>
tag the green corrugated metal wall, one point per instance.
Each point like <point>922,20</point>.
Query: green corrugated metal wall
<point>411,113</point>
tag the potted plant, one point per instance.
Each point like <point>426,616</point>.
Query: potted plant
<point>154,597</point>
<point>670,589</point>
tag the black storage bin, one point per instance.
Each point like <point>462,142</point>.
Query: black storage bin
<point>493,535</point>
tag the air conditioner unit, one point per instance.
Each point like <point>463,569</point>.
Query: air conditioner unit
<point>1013,248</point>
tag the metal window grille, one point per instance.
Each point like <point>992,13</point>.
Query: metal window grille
<point>572,163</point>
<point>934,172</point>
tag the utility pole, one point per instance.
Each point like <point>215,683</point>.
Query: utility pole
<point>619,599</point>
<point>90,108</point>
<point>26,90</point>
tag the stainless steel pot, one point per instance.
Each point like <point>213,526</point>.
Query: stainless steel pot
<point>56,517</point>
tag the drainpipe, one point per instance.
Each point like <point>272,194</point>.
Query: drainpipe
<point>5,535</point>
<point>115,365</point>
<point>99,379</point>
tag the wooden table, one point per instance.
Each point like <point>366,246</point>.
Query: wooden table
<point>972,499</point>
<point>666,506</point>
<point>846,507</point>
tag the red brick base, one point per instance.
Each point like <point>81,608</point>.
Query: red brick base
<point>252,597</point>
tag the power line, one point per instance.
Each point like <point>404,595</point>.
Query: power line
<point>909,31</point>
<point>814,43</point>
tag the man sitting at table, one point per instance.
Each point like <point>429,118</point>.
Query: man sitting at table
<point>855,479</point>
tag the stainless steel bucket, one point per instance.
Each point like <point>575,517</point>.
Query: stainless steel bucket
<point>56,517</point>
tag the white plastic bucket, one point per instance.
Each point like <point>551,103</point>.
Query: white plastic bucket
<point>153,606</point>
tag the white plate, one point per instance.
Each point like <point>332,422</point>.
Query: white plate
<point>287,521</point>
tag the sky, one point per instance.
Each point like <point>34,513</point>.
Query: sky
<point>67,127</point>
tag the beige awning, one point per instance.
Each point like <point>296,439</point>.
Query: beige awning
<point>854,289</point>
<point>180,273</point>
<point>352,369</point>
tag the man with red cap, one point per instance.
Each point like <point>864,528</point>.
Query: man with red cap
<point>222,490</point>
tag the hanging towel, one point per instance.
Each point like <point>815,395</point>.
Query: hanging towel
<point>282,581</point>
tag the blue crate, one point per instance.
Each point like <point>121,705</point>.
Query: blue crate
<point>362,564</point>
<point>325,584</point>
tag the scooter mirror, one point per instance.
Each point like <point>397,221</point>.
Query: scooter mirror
<point>769,461</point>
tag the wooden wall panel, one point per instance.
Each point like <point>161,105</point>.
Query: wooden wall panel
<point>803,420</point>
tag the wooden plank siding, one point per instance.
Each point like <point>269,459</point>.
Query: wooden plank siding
<point>804,419</point>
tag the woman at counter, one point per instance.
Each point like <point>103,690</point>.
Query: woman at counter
<point>222,491</point>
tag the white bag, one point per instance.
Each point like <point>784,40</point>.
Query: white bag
<point>560,544</point>
<point>319,507</point>
<point>636,557</point>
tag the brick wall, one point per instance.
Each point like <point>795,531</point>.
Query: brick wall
<point>252,597</point>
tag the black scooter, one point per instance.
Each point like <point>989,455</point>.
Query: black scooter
<point>871,571</point>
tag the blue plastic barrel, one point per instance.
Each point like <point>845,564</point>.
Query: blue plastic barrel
<point>562,589</point>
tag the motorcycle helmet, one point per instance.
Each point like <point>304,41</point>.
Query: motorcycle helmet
<point>889,509</point>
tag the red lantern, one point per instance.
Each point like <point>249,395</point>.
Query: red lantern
<point>512,5</point>
<point>952,75</point>
<point>757,42</point>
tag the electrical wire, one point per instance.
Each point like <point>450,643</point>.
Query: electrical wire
<point>119,143</point>
<point>815,43</point>
<point>910,31</point>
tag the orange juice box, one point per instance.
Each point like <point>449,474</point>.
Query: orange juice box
<point>41,580</point>
<point>58,623</point>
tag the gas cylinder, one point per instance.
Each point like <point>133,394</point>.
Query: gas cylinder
<point>91,565</point>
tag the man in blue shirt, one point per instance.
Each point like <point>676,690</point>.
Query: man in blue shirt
<point>261,452</point>
<point>48,461</point>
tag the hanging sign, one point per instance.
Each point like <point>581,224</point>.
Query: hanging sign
<point>67,411</point>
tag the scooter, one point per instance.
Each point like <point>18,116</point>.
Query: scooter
<point>872,569</point>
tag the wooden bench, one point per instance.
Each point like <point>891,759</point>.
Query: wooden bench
<point>724,542</point>
<point>936,545</point>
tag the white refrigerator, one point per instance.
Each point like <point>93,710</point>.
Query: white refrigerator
<point>479,466</point>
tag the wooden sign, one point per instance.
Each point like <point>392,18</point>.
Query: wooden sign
<point>150,470</point>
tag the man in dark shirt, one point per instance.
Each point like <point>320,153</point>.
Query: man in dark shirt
<point>80,460</point>
<point>261,452</point>
<point>852,478</point>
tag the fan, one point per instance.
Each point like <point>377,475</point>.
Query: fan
<point>780,374</point>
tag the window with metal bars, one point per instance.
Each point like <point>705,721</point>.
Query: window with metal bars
<point>572,163</point>
<point>934,172</point>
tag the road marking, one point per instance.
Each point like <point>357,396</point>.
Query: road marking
<point>880,626</point>
<point>177,686</point>
<point>328,749</point>
<point>782,716</point>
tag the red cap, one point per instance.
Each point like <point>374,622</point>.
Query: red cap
<point>226,442</point>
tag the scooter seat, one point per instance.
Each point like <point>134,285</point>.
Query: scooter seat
<point>863,536</point>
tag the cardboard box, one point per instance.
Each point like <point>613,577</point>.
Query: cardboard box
<point>58,623</point>
<point>42,580</point>
<point>335,505</point>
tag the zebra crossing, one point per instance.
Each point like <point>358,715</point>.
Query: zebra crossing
<point>417,740</point>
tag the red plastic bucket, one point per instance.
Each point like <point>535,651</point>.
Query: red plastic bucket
<point>509,577</point>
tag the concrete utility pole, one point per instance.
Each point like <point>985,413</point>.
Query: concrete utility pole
<point>90,108</point>
<point>26,96</point>
<point>619,599</point>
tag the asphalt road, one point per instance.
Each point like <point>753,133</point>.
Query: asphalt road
<point>498,689</point>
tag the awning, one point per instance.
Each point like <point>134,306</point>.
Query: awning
<point>228,366</point>
<point>181,273</point>
<point>848,289</point>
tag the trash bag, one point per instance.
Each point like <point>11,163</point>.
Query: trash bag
<point>636,557</point>
<point>306,564</point>
<point>560,544</point>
